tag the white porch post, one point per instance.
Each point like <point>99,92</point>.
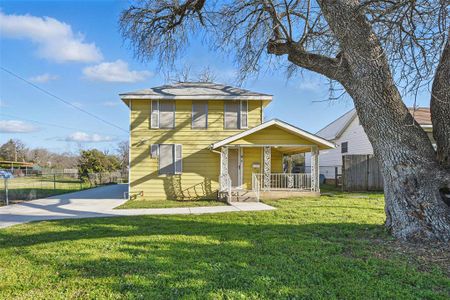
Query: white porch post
<point>223,166</point>
<point>267,167</point>
<point>315,169</point>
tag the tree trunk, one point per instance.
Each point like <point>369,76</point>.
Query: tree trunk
<point>440,107</point>
<point>413,178</point>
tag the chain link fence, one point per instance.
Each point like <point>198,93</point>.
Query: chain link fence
<point>23,188</point>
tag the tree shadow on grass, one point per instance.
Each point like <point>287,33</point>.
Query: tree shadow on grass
<point>202,257</point>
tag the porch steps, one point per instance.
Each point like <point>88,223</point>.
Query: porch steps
<point>243,196</point>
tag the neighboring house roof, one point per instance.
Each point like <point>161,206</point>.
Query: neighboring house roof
<point>324,144</point>
<point>335,129</point>
<point>422,115</point>
<point>196,91</point>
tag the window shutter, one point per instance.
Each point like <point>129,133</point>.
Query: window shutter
<point>244,113</point>
<point>154,150</point>
<point>154,114</point>
<point>178,159</point>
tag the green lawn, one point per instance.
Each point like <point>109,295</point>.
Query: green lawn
<point>142,203</point>
<point>333,247</point>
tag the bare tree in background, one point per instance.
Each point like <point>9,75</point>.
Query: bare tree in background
<point>186,75</point>
<point>375,49</point>
<point>207,75</point>
<point>123,151</point>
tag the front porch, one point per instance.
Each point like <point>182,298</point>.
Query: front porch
<point>250,177</point>
<point>255,164</point>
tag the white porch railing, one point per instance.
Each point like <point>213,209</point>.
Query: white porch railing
<point>256,185</point>
<point>225,185</point>
<point>282,181</point>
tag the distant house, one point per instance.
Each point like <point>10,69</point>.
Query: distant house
<point>195,140</point>
<point>349,136</point>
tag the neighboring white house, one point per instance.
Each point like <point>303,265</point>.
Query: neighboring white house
<point>349,136</point>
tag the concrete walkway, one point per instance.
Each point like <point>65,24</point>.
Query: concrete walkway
<point>100,202</point>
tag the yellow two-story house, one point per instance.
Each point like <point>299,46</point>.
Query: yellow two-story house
<point>193,140</point>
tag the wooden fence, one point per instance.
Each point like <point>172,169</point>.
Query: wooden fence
<point>361,173</point>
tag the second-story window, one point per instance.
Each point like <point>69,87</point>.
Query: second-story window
<point>200,114</point>
<point>162,114</point>
<point>236,114</point>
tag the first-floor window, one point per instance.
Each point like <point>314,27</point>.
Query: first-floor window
<point>170,158</point>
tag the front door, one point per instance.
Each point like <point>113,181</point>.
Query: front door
<point>233,166</point>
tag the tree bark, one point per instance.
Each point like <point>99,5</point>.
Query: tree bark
<point>413,178</point>
<point>440,107</point>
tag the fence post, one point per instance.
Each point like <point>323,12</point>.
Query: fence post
<point>335,176</point>
<point>6,191</point>
<point>368,172</point>
<point>54,181</point>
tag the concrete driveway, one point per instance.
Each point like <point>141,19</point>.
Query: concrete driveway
<point>100,202</point>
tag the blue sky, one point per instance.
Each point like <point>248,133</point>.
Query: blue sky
<point>75,51</point>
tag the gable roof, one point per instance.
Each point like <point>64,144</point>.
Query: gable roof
<point>338,126</point>
<point>288,127</point>
<point>335,129</point>
<point>196,91</point>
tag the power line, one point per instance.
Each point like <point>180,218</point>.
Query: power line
<point>62,100</point>
<point>52,124</point>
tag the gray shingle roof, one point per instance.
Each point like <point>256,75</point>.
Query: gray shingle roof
<point>196,90</point>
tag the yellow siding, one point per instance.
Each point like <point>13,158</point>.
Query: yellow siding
<point>272,135</point>
<point>276,163</point>
<point>201,167</point>
<point>251,156</point>
<point>255,155</point>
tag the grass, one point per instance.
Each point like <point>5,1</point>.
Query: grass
<point>142,203</point>
<point>332,247</point>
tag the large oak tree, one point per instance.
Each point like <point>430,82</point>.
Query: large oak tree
<point>377,50</point>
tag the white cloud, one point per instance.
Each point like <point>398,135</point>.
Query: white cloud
<point>116,71</point>
<point>55,40</point>
<point>83,137</point>
<point>43,78</point>
<point>16,126</point>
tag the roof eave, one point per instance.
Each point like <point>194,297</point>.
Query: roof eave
<point>205,97</point>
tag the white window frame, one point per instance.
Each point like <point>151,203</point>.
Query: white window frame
<point>177,158</point>
<point>154,114</point>
<point>158,115</point>
<point>239,115</point>
<point>242,112</point>
<point>205,102</point>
